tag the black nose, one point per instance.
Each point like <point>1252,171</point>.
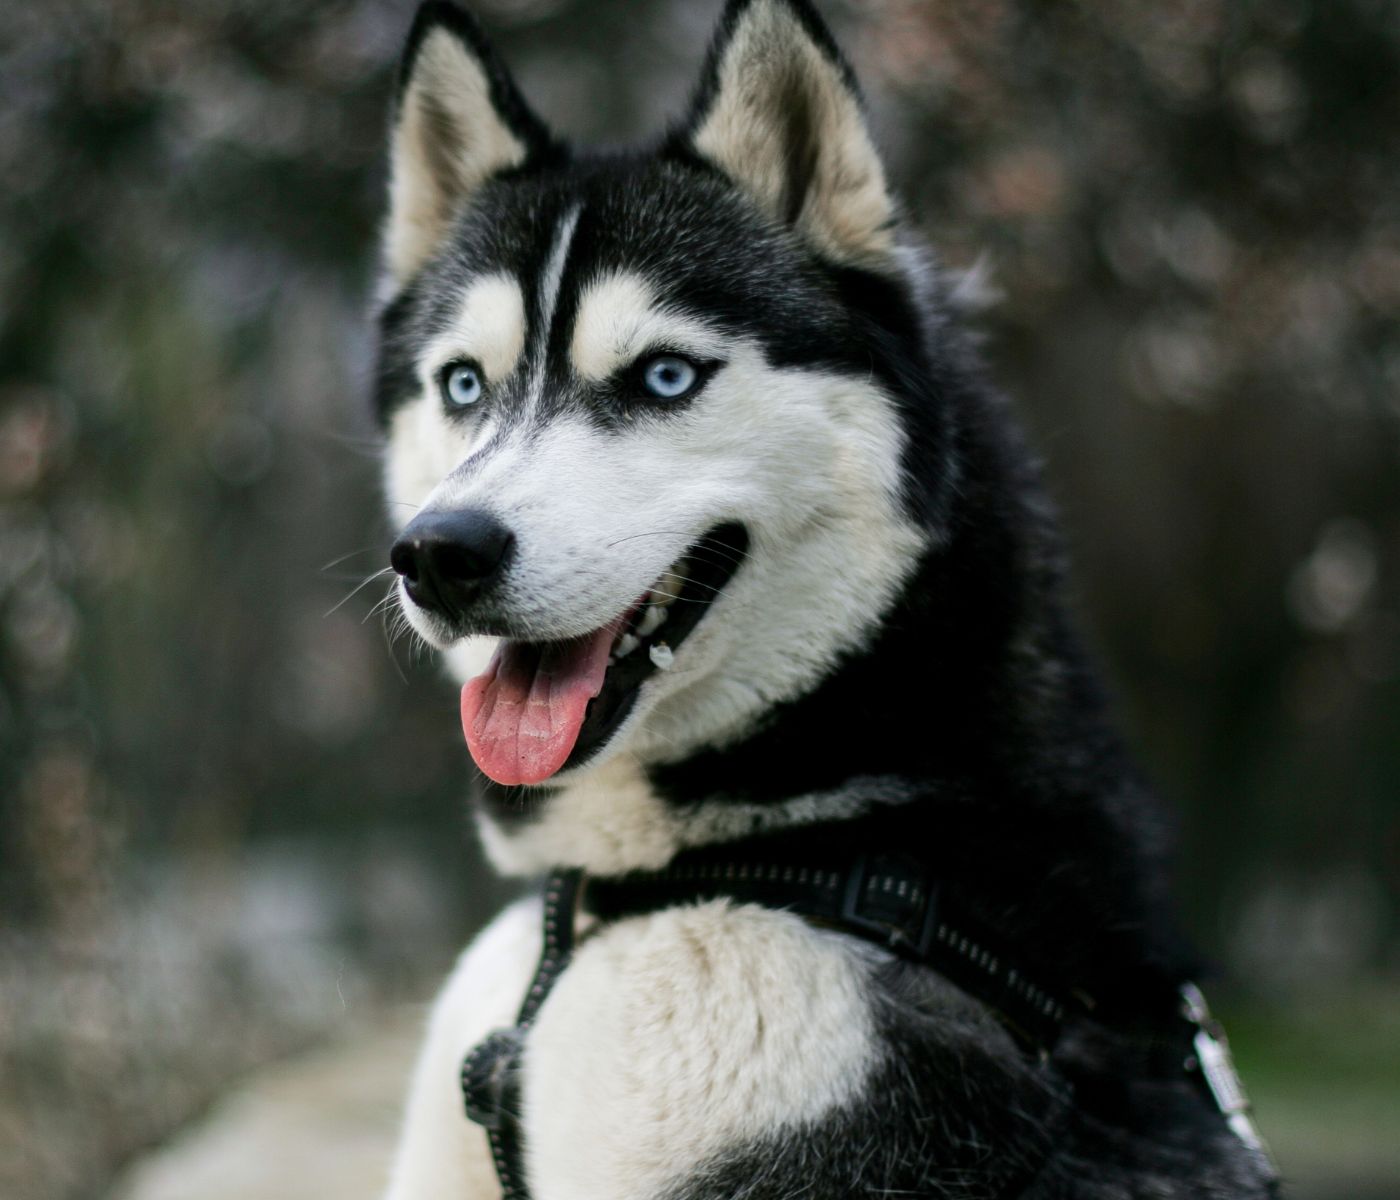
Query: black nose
<point>447,557</point>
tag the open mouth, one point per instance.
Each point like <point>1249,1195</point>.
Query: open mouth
<point>542,706</point>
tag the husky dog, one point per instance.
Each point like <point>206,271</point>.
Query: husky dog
<point>717,518</point>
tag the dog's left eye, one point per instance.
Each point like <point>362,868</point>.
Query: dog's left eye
<point>460,383</point>
<point>669,377</point>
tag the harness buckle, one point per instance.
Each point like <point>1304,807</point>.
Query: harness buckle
<point>488,1077</point>
<point>1211,1057</point>
<point>893,900</point>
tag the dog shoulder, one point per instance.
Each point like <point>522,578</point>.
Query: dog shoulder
<point>675,1035</point>
<point>441,1153</point>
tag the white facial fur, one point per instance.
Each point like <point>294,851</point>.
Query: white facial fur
<point>620,319</point>
<point>424,447</point>
<point>807,460</point>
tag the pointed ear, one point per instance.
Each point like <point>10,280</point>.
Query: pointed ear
<point>778,112</point>
<point>458,120</point>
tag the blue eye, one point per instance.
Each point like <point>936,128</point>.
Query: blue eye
<point>461,385</point>
<point>669,377</point>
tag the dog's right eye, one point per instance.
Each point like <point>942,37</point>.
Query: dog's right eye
<point>671,377</point>
<point>461,386</point>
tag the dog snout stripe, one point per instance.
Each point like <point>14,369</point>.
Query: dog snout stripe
<point>465,471</point>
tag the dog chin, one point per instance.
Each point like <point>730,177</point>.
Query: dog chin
<point>468,656</point>
<point>429,628</point>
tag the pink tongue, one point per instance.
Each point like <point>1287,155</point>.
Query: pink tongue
<point>523,713</point>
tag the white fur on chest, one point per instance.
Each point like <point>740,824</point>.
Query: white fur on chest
<point>668,1039</point>
<point>676,1035</point>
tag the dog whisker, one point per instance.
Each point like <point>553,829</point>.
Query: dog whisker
<point>632,537</point>
<point>335,562</point>
<point>706,546</point>
<point>357,590</point>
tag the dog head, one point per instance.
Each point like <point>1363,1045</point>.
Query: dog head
<point>647,450</point>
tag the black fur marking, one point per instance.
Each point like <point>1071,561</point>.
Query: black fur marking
<point>396,374</point>
<point>949,1077</point>
<point>640,213</point>
<point>953,1114</point>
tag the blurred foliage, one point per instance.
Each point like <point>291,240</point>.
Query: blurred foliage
<point>223,803</point>
<point>1193,210</point>
<point>1323,1077</point>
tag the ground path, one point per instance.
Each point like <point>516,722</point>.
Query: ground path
<point>323,1125</point>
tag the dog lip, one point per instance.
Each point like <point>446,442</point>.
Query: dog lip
<point>658,622</point>
<point>712,562</point>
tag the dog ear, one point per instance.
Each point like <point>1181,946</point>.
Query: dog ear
<point>779,112</point>
<point>458,120</point>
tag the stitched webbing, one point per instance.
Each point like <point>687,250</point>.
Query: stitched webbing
<point>491,1072</point>
<point>887,899</point>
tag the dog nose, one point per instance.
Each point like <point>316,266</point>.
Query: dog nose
<point>446,558</point>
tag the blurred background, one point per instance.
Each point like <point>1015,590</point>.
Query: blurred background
<point>232,822</point>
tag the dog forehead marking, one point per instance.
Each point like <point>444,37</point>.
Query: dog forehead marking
<point>554,269</point>
<point>551,279</point>
<point>620,316</point>
<point>489,326</point>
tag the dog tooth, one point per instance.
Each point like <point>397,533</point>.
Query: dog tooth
<point>662,656</point>
<point>667,588</point>
<point>651,621</point>
<point>626,644</point>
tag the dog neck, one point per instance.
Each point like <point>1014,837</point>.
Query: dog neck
<point>970,732</point>
<point>958,706</point>
<point>617,819</point>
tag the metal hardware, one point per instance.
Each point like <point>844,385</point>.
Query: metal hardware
<point>882,880</point>
<point>1211,1057</point>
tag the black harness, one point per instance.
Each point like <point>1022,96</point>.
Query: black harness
<point>491,1072</point>
<point>883,898</point>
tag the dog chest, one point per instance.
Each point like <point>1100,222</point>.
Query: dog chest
<point>675,1035</point>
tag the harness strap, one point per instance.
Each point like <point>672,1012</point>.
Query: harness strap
<point>491,1072</point>
<point>885,898</point>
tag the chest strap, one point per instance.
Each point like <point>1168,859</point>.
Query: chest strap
<point>491,1072</point>
<point>883,898</point>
